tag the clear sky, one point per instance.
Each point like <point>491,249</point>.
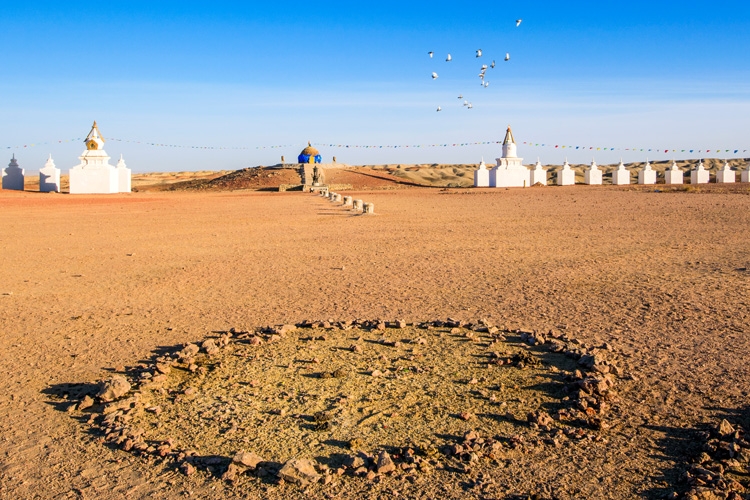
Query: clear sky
<point>246,76</point>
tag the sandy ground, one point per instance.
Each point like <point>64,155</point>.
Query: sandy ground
<point>93,283</point>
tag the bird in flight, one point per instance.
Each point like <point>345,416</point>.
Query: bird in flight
<point>469,106</point>
<point>507,56</point>
<point>518,22</point>
<point>493,64</point>
<point>460,97</point>
<point>448,58</point>
<point>439,108</point>
<point>434,75</point>
<point>479,52</point>
<point>430,53</point>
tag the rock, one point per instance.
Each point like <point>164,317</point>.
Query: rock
<point>86,402</point>
<point>190,391</point>
<point>113,388</point>
<point>231,473</point>
<point>163,368</point>
<point>356,348</point>
<point>187,468</point>
<point>384,463</point>
<point>465,415</point>
<point>209,345</point>
<point>400,324</point>
<point>188,351</point>
<point>355,461</point>
<point>725,429</point>
<point>247,459</point>
<point>255,340</point>
<point>299,471</point>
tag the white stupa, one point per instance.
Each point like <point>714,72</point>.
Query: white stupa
<point>674,175</point>
<point>593,175</point>
<point>745,174</point>
<point>699,175</point>
<point>509,171</point>
<point>13,176</point>
<point>726,174</point>
<point>123,176</point>
<point>647,175</point>
<point>538,174</point>
<point>566,176</point>
<point>621,176</point>
<point>94,175</point>
<point>49,177</point>
<point>482,175</point>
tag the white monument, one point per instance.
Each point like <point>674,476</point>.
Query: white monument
<point>538,174</point>
<point>621,176</point>
<point>725,175</point>
<point>647,175</point>
<point>700,175</point>
<point>509,171</point>
<point>745,175</point>
<point>49,177</point>
<point>674,175</point>
<point>13,176</point>
<point>593,175</point>
<point>94,175</point>
<point>566,176</point>
<point>123,176</point>
<point>482,176</point>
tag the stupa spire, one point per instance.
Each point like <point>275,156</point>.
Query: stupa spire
<point>509,137</point>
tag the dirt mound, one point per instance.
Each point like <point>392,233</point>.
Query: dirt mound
<point>257,178</point>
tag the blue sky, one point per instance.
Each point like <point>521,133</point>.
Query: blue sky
<point>247,76</point>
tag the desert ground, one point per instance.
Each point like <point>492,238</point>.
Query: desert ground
<point>654,281</point>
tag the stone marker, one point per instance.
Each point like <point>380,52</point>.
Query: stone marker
<point>725,175</point>
<point>13,176</point>
<point>347,200</point>
<point>745,175</point>
<point>357,205</point>
<point>368,208</point>
<point>674,175</point>
<point>566,176</point>
<point>482,175</point>
<point>538,174</point>
<point>621,176</point>
<point>647,175</point>
<point>699,175</point>
<point>592,175</point>
<point>49,177</point>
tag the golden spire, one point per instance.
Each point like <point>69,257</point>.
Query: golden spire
<point>509,137</point>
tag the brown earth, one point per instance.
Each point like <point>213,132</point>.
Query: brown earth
<point>93,284</point>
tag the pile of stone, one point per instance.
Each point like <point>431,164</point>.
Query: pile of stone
<point>721,472</point>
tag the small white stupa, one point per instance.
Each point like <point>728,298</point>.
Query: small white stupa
<point>123,176</point>
<point>621,176</point>
<point>726,174</point>
<point>566,176</point>
<point>49,177</point>
<point>745,174</point>
<point>647,175</point>
<point>538,174</point>
<point>674,175</point>
<point>699,175</point>
<point>482,175</point>
<point>13,176</point>
<point>94,175</point>
<point>592,175</point>
<point>509,171</point>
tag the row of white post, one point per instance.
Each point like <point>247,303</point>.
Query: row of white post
<point>348,201</point>
<point>592,175</point>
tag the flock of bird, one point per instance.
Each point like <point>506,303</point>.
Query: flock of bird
<point>482,72</point>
